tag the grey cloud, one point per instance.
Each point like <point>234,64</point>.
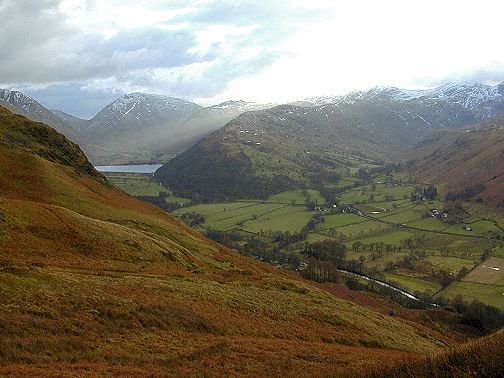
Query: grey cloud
<point>38,48</point>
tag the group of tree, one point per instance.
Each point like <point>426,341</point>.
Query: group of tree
<point>286,238</point>
<point>484,317</point>
<point>327,250</point>
<point>426,193</point>
<point>192,219</point>
<point>321,271</point>
<point>465,194</point>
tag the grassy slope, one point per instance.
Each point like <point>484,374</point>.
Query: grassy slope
<point>93,280</point>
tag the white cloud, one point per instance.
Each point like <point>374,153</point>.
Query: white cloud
<point>380,43</point>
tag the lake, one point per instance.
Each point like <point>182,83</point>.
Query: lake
<point>139,168</point>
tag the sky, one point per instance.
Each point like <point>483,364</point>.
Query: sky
<point>78,56</point>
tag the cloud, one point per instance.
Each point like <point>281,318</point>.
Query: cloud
<point>213,50</point>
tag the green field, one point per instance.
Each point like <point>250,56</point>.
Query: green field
<point>339,220</point>
<point>366,193</point>
<point>142,185</point>
<point>445,247</point>
<point>486,227</point>
<point>499,252</point>
<point>431,224</point>
<point>451,264</point>
<point>359,230</point>
<point>136,185</point>
<point>288,218</point>
<point>251,216</point>
<point>229,216</point>
<point>412,284</point>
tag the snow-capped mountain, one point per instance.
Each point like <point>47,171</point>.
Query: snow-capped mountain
<point>142,111</point>
<point>469,95</point>
<point>23,104</point>
<point>126,129</point>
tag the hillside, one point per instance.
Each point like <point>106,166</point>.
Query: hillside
<point>94,280</point>
<point>468,161</point>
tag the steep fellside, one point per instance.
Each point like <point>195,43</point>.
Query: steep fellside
<point>468,161</point>
<point>92,280</point>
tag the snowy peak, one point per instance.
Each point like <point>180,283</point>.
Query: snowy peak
<point>238,107</point>
<point>22,102</point>
<point>468,95</point>
<point>140,105</point>
<point>135,122</point>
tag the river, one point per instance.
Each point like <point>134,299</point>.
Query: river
<point>381,283</point>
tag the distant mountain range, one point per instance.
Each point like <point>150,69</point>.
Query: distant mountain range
<point>140,128</point>
<point>135,128</point>
<point>469,95</point>
<point>263,152</point>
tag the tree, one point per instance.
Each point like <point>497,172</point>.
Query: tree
<point>362,260</point>
<point>446,278</point>
<point>357,246</point>
<point>462,273</point>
